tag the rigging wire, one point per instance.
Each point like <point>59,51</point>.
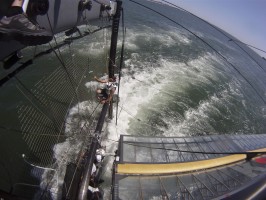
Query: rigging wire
<point>74,89</point>
<point>198,152</point>
<point>224,58</point>
<point>105,46</point>
<point>235,41</point>
<point>52,30</point>
<point>50,181</point>
<point>248,54</point>
<point>249,45</point>
<point>139,120</point>
<point>48,51</point>
<point>61,59</point>
<point>62,62</point>
<point>186,151</point>
<point>121,63</point>
<point>82,147</point>
<point>163,190</point>
<point>64,68</point>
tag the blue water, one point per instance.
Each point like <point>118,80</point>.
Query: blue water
<point>172,84</point>
<point>189,88</point>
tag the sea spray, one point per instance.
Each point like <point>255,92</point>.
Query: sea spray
<point>77,130</point>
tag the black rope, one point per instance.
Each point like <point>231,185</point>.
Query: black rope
<point>201,152</point>
<point>185,151</point>
<point>220,32</point>
<point>204,43</point>
<point>249,154</point>
<point>121,63</point>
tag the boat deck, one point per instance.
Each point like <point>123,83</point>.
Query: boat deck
<point>169,168</point>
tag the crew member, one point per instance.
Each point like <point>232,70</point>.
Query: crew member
<point>111,86</point>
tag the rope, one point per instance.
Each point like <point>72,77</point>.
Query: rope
<point>248,55</point>
<point>121,63</point>
<point>185,151</point>
<point>139,120</point>
<point>48,184</point>
<point>194,152</point>
<point>261,97</point>
<point>74,89</point>
<point>49,21</point>
<point>249,45</point>
<point>61,59</point>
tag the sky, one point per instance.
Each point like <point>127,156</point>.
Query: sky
<point>244,19</point>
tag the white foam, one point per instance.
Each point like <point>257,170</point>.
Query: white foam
<point>141,87</point>
<point>136,94</point>
<point>68,151</point>
<point>168,38</point>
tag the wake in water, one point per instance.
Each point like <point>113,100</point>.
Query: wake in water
<point>170,97</point>
<point>78,130</point>
<point>171,85</point>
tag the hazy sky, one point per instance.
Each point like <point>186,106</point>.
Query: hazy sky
<point>244,19</point>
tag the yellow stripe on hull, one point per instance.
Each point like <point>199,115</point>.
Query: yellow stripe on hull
<point>167,168</point>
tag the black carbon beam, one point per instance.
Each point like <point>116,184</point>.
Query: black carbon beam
<point>112,56</point>
<point>91,155</point>
<point>95,140</point>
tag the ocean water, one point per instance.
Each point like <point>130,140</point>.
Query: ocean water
<point>172,84</point>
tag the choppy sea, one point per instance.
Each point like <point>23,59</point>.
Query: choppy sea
<point>180,82</point>
<point>180,77</point>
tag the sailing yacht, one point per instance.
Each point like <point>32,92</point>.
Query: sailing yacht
<point>187,120</point>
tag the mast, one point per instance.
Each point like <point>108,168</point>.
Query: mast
<point>112,55</point>
<point>82,195</point>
